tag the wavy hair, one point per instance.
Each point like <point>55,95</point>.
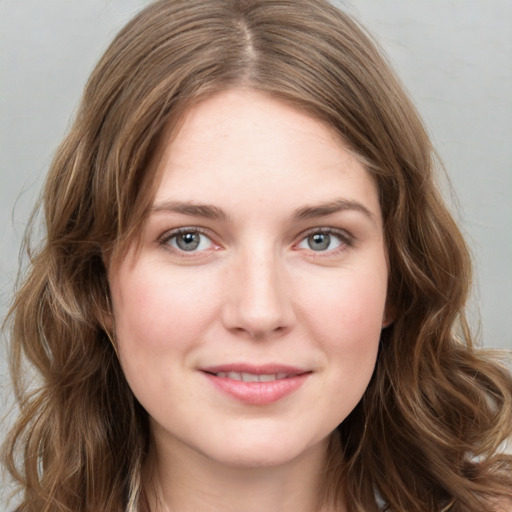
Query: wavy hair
<point>426,434</point>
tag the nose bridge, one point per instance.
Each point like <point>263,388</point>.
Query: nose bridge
<point>258,302</point>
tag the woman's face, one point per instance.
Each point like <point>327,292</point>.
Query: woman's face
<point>248,320</point>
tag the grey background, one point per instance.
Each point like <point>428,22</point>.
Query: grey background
<point>454,56</point>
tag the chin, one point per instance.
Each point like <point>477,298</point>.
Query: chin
<point>264,452</point>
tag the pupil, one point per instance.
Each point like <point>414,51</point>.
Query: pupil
<point>319,241</point>
<point>188,241</point>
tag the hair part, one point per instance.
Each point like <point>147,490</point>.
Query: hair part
<point>426,433</point>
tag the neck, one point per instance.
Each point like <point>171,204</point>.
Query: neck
<point>179,479</point>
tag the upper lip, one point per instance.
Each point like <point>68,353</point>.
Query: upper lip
<point>265,369</point>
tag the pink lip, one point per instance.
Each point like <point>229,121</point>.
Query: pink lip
<point>265,369</point>
<point>257,393</point>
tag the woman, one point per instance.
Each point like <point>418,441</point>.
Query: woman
<point>251,295</point>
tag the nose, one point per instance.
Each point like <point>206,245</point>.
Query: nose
<point>258,298</point>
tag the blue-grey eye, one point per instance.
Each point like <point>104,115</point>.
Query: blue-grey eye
<point>321,241</point>
<point>190,241</point>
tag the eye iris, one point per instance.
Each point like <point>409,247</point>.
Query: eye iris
<point>319,241</point>
<point>188,241</point>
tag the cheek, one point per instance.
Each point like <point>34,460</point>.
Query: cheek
<point>159,321</point>
<point>345,318</point>
<point>349,329</point>
<point>351,305</point>
<point>158,312</point>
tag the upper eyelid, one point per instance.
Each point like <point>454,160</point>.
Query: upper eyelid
<point>164,242</point>
<point>185,229</point>
<point>165,239</point>
<point>346,239</point>
<point>345,235</point>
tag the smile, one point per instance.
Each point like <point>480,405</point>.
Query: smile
<point>262,385</point>
<point>252,377</point>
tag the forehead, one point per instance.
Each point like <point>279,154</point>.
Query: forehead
<point>245,144</point>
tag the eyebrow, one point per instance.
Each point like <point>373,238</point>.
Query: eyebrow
<point>207,211</point>
<point>329,208</point>
<point>212,212</point>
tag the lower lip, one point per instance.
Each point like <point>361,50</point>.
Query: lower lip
<point>258,393</point>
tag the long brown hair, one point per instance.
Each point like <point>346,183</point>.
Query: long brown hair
<point>426,434</point>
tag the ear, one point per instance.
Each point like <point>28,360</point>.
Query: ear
<point>389,315</point>
<point>105,318</point>
<point>107,321</point>
<point>105,314</point>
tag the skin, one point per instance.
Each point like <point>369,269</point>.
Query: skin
<point>258,289</point>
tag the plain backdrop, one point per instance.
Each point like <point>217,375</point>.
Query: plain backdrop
<point>454,57</point>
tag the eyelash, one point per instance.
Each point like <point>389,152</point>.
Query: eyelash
<point>345,239</point>
<point>164,241</point>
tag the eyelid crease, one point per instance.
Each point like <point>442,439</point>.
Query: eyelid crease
<point>164,239</point>
<point>346,242</point>
<point>341,233</point>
